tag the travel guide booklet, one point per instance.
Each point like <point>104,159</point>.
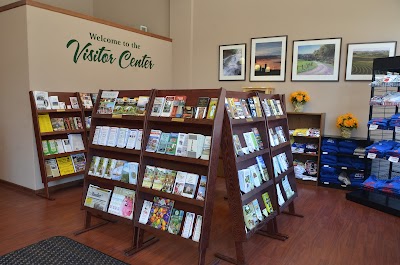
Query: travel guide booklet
<point>42,100</point>
<point>148,177</point>
<point>157,106</point>
<point>106,106</point>
<point>176,221</point>
<point>201,193</point>
<point>122,202</point>
<point>169,181</point>
<point>160,213</point>
<point>189,188</point>
<point>131,107</point>
<point>79,162</point>
<point>97,198</point>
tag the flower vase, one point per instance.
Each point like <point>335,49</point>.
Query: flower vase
<point>298,106</point>
<point>345,132</point>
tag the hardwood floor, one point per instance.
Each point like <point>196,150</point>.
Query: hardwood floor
<point>334,231</point>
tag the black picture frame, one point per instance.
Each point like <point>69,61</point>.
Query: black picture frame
<point>362,71</point>
<point>316,67</point>
<point>278,72</point>
<point>232,62</point>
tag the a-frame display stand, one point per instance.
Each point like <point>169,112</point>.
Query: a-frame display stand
<point>208,127</point>
<point>268,226</point>
<point>87,112</point>
<point>41,136</point>
<point>272,122</point>
<point>130,155</point>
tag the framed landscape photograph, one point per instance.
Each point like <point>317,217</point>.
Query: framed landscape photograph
<point>360,57</point>
<point>232,62</point>
<point>316,60</point>
<point>268,59</point>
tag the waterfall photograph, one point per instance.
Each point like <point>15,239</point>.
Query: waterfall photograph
<point>232,63</point>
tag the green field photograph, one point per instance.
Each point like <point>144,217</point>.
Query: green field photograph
<point>316,60</point>
<point>360,57</point>
<point>363,58</point>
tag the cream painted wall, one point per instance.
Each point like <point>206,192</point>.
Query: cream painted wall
<point>35,57</point>
<point>16,132</point>
<point>80,6</point>
<point>234,21</point>
<point>6,2</point>
<point>154,13</point>
<point>182,33</point>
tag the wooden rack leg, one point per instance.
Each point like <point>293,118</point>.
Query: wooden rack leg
<point>276,230</point>
<point>46,193</point>
<point>272,231</point>
<point>134,241</point>
<point>202,256</point>
<point>140,243</point>
<point>292,211</point>
<point>240,258</point>
<point>88,227</point>
<point>215,262</point>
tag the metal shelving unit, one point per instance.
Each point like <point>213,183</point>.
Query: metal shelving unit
<point>382,168</point>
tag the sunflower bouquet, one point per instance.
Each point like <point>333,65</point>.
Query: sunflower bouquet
<point>298,99</point>
<point>347,120</point>
<point>346,123</point>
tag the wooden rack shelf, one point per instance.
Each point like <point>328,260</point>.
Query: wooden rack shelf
<point>182,121</point>
<point>121,117</point>
<point>180,159</point>
<point>115,149</point>
<point>87,112</point>
<point>59,111</point>
<point>198,166</point>
<point>283,174</point>
<point>66,176</point>
<point>62,132</point>
<point>261,152</point>
<point>111,217</point>
<point>278,148</point>
<point>131,155</point>
<point>247,121</point>
<point>249,196</point>
<point>297,120</point>
<point>172,237</point>
<point>283,121</point>
<point>287,203</point>
<point>208,168</point>
<point>64,154</point>
<point>43,136</point>
<point>276,118</point>
<point>173,197</point>
<point>261,225</point>
<point>232,164</point>
<point>111,182</point>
